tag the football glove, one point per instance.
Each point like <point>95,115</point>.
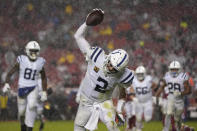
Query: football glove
<point>119,119</point>
<point>177,93</point>
<point>135,100</point>
<point>6,88</point>
<point>43,96</point>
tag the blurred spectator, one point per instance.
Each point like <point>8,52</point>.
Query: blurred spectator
<point>68,9</point>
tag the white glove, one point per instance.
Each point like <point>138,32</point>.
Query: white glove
<point>154,100</point>
<point>177,93</point>
<point>6,88</point>
<point>43,96</point>
<point>135,100</point>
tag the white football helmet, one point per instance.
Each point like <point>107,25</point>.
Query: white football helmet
<point>33,50</point>
<point>140,72</point>
<point>175,68</point>
<point>118,59</point>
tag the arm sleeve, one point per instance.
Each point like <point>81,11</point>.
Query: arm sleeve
<point>82,43</point>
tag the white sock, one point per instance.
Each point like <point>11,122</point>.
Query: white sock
<point>167,122</point>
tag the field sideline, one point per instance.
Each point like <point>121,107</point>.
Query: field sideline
<point>68,126</point>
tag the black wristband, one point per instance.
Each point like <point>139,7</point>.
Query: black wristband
<point>131,94</point>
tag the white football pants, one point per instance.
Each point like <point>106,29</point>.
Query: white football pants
<point>27,107</point>
<point>174,108</point>
<point>106,114</point>
<point>146,109</point>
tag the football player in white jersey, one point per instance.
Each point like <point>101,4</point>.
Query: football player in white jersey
<point>29,66</point>
<point>142,87</point>
<point>103,73</point>
<point>176,85</point>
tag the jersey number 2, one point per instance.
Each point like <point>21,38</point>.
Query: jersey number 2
<point>28,74</point>
<point>99,88</point>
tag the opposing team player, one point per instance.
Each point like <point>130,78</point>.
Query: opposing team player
<point>142,87</point>
<point>103,73</point>
<point>29,66</point>
<point>175,84</point>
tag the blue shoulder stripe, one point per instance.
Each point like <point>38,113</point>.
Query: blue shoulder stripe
<point>124,80</point>
<point>130,81</point>
<point>185,75</point>
<point>95,59</point>
<point>19,59</point>
<point>94,52</point>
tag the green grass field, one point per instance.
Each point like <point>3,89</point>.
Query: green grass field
<point>68,126</point>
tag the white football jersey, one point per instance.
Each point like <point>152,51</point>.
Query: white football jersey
<point>29,71</point>
<point>175,83</point>
<point>96,85</point>
<point>143,88</point>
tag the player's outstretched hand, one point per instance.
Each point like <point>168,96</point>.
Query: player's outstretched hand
<point>177,93</point>
<point>6,88</point>
<point>95,17</point>
<point>43,96</point>
<point>135,100</point>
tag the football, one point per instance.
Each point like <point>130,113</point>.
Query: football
<point>95,17</point>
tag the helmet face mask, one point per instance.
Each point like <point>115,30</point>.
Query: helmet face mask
<point>140,73</point>
<point>116,61</point>
<point>174,68</point>
<point>32,50</point>
<point>174,72</point>
<point>110,68</point>
<point>140,76</point>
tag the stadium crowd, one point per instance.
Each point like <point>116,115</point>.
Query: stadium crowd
<point>154,32</point>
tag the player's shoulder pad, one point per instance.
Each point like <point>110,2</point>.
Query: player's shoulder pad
<point>20,58</point>
<point>41,60</point>
<point>184,76</point>
<point>149,77</point>
<point>167,74</point>
<point>96,53</point>
<point>127,77</point>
